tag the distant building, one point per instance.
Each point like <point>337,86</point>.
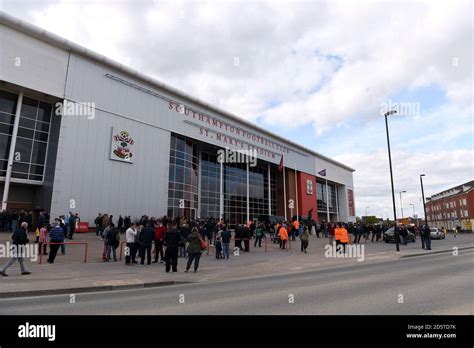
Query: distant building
<point>453,207</point>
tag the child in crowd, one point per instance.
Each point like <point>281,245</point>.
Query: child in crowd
<point>219,248</point>
<point>43,239</point>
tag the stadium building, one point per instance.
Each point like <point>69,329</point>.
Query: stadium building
<point>81,132</point>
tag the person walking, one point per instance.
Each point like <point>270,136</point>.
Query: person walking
<point>342,237</point>
<point>210,230</point>
<point>239,233</point>
<point>325,229</point>
<point>226,237</point>
<point>127,222</point>
<point>160,231</point>
<point>14,220</point>
<point>259,235</point>
<point>146,238</point>
<point>404,235</point>
<point>104,223</point>
<point>63,225</point>
<point>113,242</point>
<point>295,229</point>
<point>19,241</point>
<point>72,224</point>
<point>171,241</point>
<point>331,233</point>
<point>130,235</point>
<point>218,245</point>
<point>422,236</point>
<point>183,233</point>
<point>56,235</point>
<point>120,224</point>
<point>98,222</point>
<point>194,249</point>
<point>39,224</point>
<point>43,239</point>
<point>359,231</point>
<point>246,238</point>
<point>427,235</point>
<point>283,233</point>
<point>304,239</point>
<point>378,232</point>
<point>104,239</point>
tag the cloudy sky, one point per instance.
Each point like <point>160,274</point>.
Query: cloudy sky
<point>320,72</point>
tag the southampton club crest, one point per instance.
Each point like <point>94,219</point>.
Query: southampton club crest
<point>122,145</point>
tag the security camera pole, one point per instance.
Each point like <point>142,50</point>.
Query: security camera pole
<point>395,229</point>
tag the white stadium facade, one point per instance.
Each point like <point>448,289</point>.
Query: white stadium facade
<point>81,132</point>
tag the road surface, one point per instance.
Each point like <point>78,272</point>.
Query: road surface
<point>431,284</point>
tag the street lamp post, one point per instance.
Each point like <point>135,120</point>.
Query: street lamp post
<point>423,197</point>
<point>413,210</point>
<point>401,203</point>
<point>395,230</point>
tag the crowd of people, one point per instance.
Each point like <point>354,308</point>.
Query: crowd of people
<point>10,220</point>
<point>165,240</point>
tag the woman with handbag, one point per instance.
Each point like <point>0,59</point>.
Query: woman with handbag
<point>195,247</point>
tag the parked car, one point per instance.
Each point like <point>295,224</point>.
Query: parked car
<point>436,233</point>
<point>389,236</point>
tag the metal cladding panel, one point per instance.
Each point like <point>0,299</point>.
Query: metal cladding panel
<point>86,175</point>
<point>32,63</point>
<point>118,93</point>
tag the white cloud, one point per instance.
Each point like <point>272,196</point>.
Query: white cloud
<point>322,64</point>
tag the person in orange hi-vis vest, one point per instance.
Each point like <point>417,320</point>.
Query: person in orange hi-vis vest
<point>283,237</point>
<point>296,228</point>
<point>342,236</point>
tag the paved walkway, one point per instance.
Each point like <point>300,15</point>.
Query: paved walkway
<point>69,274</point>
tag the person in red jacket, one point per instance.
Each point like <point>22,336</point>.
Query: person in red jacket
<point>160,231</point>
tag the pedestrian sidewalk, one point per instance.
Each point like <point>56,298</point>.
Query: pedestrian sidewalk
<point>70,275</point>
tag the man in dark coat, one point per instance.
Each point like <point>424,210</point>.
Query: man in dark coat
<point>172,240</point>
<point>427,234</point>
<point>184,233</point>
<point>210,230</point>
<point>72,225</point>
<point>238,237</point>
<point>127,222</point>
<point>246,238</point>
<point>19,241</point>
<point>120,224</point>
<point>146,238</point>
